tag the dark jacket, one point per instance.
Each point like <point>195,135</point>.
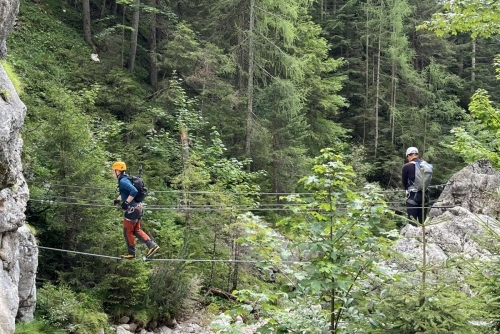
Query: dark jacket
<point>408,173</point>
<point>408,178</point>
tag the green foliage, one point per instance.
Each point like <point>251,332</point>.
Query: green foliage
<point>67,164</point>
<point>315,84</point>
<point>62,308</point>
<point>481,109</point>
<point>282,134</point>
<point>222,324</point>
<point>174,291</point>
<point>182,51</point>
<point>479,139</point>
<point>400,308</point>
<point>298,316</point>
<point>479,18</point>
<point>125,287</point>
<point>206,178</point>
<point>37,327</point>
<point>334,220</point>
<point>322,230</point>
<point>483,277</point>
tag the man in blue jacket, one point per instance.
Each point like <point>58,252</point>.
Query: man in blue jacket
<point>132,213</point>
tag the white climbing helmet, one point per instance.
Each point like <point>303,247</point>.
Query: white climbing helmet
<point>411,150</point>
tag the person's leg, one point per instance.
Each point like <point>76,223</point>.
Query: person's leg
<point>128,234</point>
<point>142,236</point>
<point>414,213</point>
<point>135,213</point>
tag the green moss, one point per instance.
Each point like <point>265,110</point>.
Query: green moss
<point>14,78</point>
<point>31,228</point>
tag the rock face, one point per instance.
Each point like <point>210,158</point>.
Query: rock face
<point>18,252</point>
<point>8,13</point>
<point>466,206</point>
<point>472,189</point>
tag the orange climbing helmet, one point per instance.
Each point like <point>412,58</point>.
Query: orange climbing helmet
<point>119,165</point>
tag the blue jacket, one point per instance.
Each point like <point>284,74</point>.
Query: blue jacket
<point>126,188</point>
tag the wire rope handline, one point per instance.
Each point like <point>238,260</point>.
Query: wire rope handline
<point>254,193</point>
<point>165,260</point>
<point>208,208</point>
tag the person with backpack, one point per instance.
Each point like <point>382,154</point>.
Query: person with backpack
<point>131,205</point>
<point>416,177</point>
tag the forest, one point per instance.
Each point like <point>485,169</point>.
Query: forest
<point>270,135</point>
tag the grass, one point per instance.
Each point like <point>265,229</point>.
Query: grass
<point>36,327</point>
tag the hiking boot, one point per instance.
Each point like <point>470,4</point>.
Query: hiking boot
<point>152,251</point>
<point>128,256</point>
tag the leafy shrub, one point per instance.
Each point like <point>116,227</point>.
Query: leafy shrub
<point>299,315</point>
<point>172,291</point>
<point>62,308</point>
<point>125,288</point>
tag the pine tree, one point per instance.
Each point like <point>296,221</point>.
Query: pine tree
<point>281,114</point>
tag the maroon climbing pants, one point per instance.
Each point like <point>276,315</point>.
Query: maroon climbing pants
<point>133,229</point>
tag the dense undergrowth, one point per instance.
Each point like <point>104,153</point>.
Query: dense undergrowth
<point>81,116</point>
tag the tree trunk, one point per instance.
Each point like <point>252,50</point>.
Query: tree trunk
<point>114,7</point>
<point>153,66</point>
<point>333,318</point>
<point>424,259</point>
<point>250,80</point>
<point>103,9</point>
<point>220,293</point>
<point>214,251</point>
<point>87,34</point>
<point>133,37</point>
<point>393,100</point>
<point>367,75</point>
<point>185,155</point>
<point>377,95</point>
<point>236,267</point>
<point>241,51</point>
<point>322,10</point>
<point>123,35</point>
<point>473,60</point>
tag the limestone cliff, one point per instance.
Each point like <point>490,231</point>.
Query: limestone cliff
<point>18,253</point>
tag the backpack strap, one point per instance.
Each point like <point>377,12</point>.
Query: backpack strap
<point>411,187</point>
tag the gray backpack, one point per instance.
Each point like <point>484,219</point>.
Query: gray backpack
<point>423,176</point>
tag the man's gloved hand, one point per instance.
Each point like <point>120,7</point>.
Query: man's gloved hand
<point>125,205</point>
<point>116,202</point>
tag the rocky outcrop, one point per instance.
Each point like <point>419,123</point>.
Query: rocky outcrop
<point>8,13</point>
<point>473,189</point>
<point>28,264</point>
<point>466,209</point>
<point>18,252</point>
